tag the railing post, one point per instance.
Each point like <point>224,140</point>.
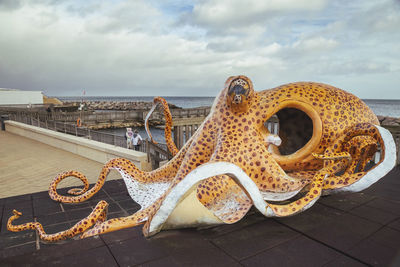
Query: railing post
<point>148,150</point>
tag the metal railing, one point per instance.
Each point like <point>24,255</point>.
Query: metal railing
<point>156,153</point>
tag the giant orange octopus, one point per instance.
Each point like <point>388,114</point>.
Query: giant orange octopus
<point>327,139</point>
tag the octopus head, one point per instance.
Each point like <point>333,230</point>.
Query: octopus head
<point>240,93</point>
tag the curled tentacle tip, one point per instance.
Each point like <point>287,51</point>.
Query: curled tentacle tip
<point>75,191</point>
<point>17,213</point>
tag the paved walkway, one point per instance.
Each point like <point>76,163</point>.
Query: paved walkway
<point>359,229</point>
<point>28,166</point>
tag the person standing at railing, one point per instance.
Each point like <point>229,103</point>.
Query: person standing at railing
<point>136,140</point>
<point>128,137</point>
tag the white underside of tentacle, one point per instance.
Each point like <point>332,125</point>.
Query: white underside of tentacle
<point>143,194</point>
<point>203,172</point>
<point>379,171</point>
<point>273,196</point>
<point>146,121</point>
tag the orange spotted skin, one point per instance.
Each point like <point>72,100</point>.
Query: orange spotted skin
<point>344,138</point>
<point>98,215</point>
<point>168,126</point>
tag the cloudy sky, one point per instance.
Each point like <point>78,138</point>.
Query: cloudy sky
<point>190,47</point>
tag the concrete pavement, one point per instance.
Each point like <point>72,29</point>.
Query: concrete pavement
<point>27,166</point>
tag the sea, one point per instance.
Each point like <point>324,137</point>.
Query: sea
<point>383,107</point>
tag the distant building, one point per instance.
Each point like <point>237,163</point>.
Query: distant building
<point>19,97</point>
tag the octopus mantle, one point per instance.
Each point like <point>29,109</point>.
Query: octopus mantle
<point>327,139</point>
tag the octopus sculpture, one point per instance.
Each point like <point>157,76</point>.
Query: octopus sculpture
<point>326,142</point>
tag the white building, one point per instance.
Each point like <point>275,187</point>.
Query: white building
<point>19,97</point>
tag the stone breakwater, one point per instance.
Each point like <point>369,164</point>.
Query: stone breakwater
<point>115,105</point>
<point>389,121</point>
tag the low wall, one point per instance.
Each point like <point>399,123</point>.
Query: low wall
<point>90,149</point>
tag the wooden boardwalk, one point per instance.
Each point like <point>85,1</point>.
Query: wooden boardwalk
<point>27,166</point>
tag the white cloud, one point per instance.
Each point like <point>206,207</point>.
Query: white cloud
<point>189,48</point>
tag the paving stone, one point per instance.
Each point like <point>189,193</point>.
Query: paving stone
<point>187,248</point>
<point>16,238</point>
<point>215,231</point>
<point>55,228</point>
<point>15,251</point>
<point>374,214</point>
<point>114,187</point>
<point>345,261</point>
<point>113,207</point>
<point>385,191</point>
<point>53,251</point>
<point>395,224</point>
<point>121,235</point>
<point>92,257</point>
<point>380,249</point>
<point>121,197</point>
<point>94,202</point>
<point>79,214</point>
<point>128,204</point>
<point>345,232</point>
<point>135,251</point>
<point>167,261</point>
<point>300,251</point>
<point>253,239</point>
<point>16,199</point>
<point>346,202</point>
<point>314,218</point>
<point>41,195</point>
<point>388,237</point>
<point>385,205</point>
<point>133,210</point>
<point>45,208</point>
<point>117,214</point>
<point>99,195</point>
<point>76,206</point>
<point>55,218</point>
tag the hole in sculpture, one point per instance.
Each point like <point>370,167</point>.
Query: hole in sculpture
<point>295,130</point>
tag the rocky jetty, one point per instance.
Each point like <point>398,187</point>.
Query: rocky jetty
<point>114,105</point>
<point>389,121</point>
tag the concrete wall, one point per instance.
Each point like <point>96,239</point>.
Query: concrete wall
<point>90,149</point>
<point>13,97</point>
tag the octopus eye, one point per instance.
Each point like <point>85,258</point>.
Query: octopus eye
<point>241,82</point>
<point>239,94</point>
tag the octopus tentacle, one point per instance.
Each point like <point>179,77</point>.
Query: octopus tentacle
<point>123,165</point>
<point>352,181</point>
<point>362,149</point>
<point>316,187</point>
<point>168,124</point>
<point>115,224</point>
<point>98,215</point>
